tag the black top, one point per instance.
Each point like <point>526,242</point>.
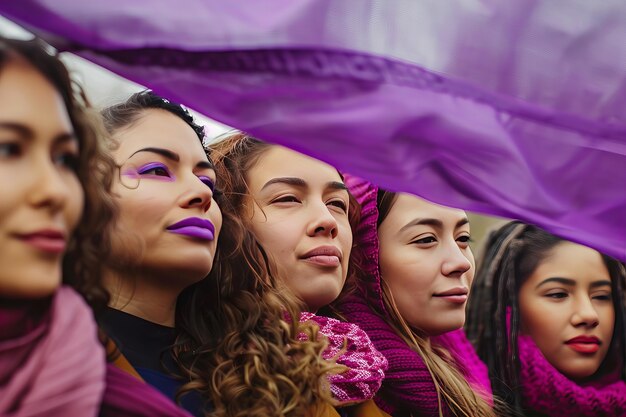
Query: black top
<point>147,346</point>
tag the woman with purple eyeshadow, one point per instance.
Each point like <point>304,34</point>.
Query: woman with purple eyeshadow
<point>165,238</point>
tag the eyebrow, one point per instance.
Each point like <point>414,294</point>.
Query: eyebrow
<point>571,283</point>
<point>173,156</point>
<point>436,223</point>
<point>299,182</point>
<point>26,133</point>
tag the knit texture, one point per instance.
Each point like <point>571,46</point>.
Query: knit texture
<point>547,391</point>
<point>408,384</point>
<point>351,347</point>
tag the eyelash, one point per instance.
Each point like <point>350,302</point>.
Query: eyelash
<point>340,204</point>
<point>208,182</point>
<point>154,166</point>
<point>9,149</point>
<point>431,239</point>
<point>68,159</point>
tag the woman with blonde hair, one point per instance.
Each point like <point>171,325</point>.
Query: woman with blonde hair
<point>413,287</point>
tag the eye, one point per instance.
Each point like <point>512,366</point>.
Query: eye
<point>464,241</point>
<point>10,149</point>
<point>155,169</point>
<point>557,295</point>
<point>286,199</point>
<point>68,160</point>
<point>208,182</point>
<point>425,240</point>
<point>602,297</point>
<point>340,204</point>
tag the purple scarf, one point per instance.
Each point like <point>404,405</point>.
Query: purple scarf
<point>547,391</point>
<point>51,362</point>
<point>408,384</point>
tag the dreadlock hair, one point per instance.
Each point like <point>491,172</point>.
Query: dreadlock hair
<point>451,385</point>
<point>258,359</point>
<point>511,255</point>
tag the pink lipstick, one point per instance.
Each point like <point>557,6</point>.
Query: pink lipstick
<point>326,256</point>
<point>455,295</point>
<point>194,227</point>
<point>46,240</point>
<point>584,344</point>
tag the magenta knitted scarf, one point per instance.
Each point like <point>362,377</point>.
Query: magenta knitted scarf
<point>51,362</point>
<point>407,384</point>
<point>547,391</point>
<point>351,347</point>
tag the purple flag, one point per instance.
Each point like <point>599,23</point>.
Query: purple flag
<point>516,108</point>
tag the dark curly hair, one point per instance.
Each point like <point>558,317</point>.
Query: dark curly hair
<point>82,265</point>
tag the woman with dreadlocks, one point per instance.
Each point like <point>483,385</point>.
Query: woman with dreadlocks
<point>547,317</point>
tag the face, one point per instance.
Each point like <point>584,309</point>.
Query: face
<point>566,307</point>
<point>299,214</point>
<point>168,221</point>
<point>42,198</point>
<point>427,263</point>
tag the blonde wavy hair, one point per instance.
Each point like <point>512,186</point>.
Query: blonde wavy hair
<point>258,359</point>
<point>451,385</point>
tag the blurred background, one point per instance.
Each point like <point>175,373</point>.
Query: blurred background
<point>104,88</point>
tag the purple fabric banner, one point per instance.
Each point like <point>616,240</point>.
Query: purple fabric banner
<point>515,109</point>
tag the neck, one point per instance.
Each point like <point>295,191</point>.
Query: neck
<point>142,296</point>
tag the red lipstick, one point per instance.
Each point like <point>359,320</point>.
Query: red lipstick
<point>584,344</point>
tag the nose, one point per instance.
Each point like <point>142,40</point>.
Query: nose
<point>456,262</point>
<point>585,314</point>
<point>322,222</point>
<point>196,195</point>
<point>49,189</point>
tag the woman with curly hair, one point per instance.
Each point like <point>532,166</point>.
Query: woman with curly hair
<point>547,317</point>
<point>173,287</point>
<point>413,287</point>
<point>300,215</point>
<point>54,211</point>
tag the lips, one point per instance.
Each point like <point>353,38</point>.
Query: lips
<point>584,344</point>
<point>194,227</point>
<point>52,241</point>
<point>325,256</point>
<point>456,295</point>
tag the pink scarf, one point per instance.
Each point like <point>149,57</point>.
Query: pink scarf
<point>366,365</point>
<point>51,365</point>
<point>547,391</point>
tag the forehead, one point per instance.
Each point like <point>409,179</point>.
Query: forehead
<point>28,98</point>
<point>277,162</point>
<point>570,260</point>
<point>408,207</point>
<point>162,129</point>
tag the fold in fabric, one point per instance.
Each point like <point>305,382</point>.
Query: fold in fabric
<point>516,109</point>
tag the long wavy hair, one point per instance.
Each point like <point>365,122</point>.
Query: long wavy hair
<point>451,385</point>
<point>258,360</point>
<point>82,263</point>
<point>511,255</point>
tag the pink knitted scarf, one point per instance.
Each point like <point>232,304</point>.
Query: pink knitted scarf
<point>366,365</point>
<point>547,391</point>
<point>51,365</point>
